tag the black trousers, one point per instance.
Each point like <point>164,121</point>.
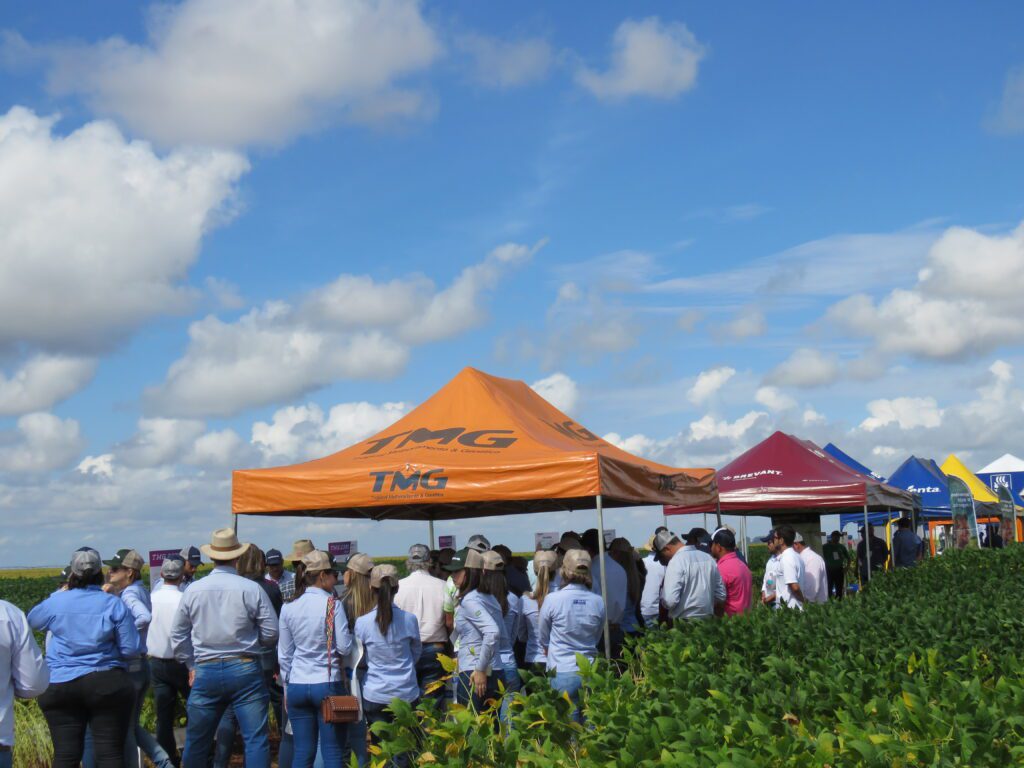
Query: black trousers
<point>100,700</point>
<point>169,679</point>
<point>836,583</point>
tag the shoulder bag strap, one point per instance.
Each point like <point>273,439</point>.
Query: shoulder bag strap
<point>330,634</point>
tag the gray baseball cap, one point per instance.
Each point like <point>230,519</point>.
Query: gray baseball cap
<point>663,539</point>
<point>478,542</point>
<point>172,568</point>
<point>85,563</point>
<point>419,554</point>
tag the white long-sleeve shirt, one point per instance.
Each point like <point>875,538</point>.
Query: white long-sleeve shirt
<point>692,584</point>
<point>23,673</point>
<point>650,598</point>
<point>815,581</point>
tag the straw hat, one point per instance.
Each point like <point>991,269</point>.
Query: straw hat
<point>384,572</point>
<point>360,563</point>
<point>317,561</point>
<point>300,549</point>
<point>224,545</point>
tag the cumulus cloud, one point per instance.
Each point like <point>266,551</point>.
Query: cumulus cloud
<point>805,368</point>
<point>158,442</point>
<point>906,412</point>
<point>709,427</point>
<point>220,450</point>
<point>41,442</point>
<point>42,382</point>
<point>747,323</point>
<point>353,328</point>
<point>708,383</point>
<point>649,58</point>
<point>239,72</point>
<point>774,399</point>
<point>559,390</point>
<point>507,63</point>
<point>963,304</point>
<point>1009,116</point>
<point>304,432</point>
<point>97,233</point>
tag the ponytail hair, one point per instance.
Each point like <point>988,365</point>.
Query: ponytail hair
<point>540,590</point>
<point>494,583</point>
<point>385,595</point>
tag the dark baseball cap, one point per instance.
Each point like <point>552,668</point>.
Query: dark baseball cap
<point>464,558</point>
<point>192,555</point>
<point>274,557</point>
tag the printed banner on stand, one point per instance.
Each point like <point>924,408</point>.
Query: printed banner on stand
<point>546,540</point>
<point>157,556</point>
<point>342,550</point>
<point>965,520</point>
<point>1007,515</point>
<point>446,542</point>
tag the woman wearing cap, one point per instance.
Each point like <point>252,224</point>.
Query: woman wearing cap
<point>494,582</point>
<point>358,601</point>
<point>92,633</point>
<point>571,622</point>
<point>314,637</point>
<point>391,642</point>
<point>478,625</point>
<point>544,564</point>
<point>621,551</point>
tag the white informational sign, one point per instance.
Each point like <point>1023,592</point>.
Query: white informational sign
<point>342,550</point>
<point>546,540</point>
<point>446,542</point>
<point>609,536</point>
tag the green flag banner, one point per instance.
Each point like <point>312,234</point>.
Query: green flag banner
<point>965,521</point>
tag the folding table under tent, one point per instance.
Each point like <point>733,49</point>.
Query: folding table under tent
<point>480,446</point>
<point>794,480</point>
<point>1007,471</point>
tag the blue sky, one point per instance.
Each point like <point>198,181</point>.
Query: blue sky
<point>247,233</point>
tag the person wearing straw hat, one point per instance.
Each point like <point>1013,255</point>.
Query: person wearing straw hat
<point>315,638</point>
<point>571,622</point>
<point>391,639</point>
<point>300,549</point>
<point>222,624</point>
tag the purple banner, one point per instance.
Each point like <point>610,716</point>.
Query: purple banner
<point>157,556</point>
<point>446,542</point>
<point>342,549</point>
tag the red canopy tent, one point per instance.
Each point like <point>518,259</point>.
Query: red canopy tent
<point>793,479</point>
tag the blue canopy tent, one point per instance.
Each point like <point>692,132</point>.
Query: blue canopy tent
<point>836,453</point>
<point>923,478</point>
<point>1007,470</point>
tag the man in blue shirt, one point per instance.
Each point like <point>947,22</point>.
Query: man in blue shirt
<point>222,624</point>
<point>906,545</point>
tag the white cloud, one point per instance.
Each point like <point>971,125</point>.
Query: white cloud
<point>97,233</point>
<point>41,442</point>
<point>963,304</point>
<point>559,390</point>
<point>224,293</point>
<point>805,368</point>
<point>774,399</point>
<point>649,58</point>
<point>43,381</point>
<point>708,383</point>
<point>811,417</point>
<point>100,466</point>
<point>709,427</point>
<point>1009,117</point>
<point>688,320</point>
<point>906,412</point>
<point>748,323</point>
<point>352,328</point>
<point>507,63</point>
<point>224,449</point>
<point>238,72</point>
<point>159,442</point>
<point>302,432</point>
<point>638,445</point>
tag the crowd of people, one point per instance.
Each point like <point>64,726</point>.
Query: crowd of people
<point>254,636</point>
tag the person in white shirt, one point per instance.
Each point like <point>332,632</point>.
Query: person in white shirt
<point>772,573</point>
<point>693,585</point>
<point>815,583</point>
<point>23,673</point>
<point>423,596</point>
<point>650,597</point>
<point>169,677</point>
<point>787,590</point>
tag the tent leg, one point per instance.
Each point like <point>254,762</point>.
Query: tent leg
<point>718,514</point>
<point>867,542</point>
<point>743,532</point>
<point>234,524</point>
<point>604,579</point>
<point>430,532</point>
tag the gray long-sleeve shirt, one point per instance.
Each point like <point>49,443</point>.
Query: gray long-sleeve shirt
<point>221,616</point>
<point>692,585</point>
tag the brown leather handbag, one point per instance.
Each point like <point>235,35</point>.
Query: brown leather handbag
<point>336,709</point>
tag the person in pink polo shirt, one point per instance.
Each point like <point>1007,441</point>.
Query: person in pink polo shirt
<point>735,573</point>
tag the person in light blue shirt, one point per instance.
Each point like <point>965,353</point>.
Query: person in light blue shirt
<point>391,641</point>
<point>544,564</point>
<point>23,673</point>
<point>478,627</point>
<point>222,624</point>
<point>571,622</point>
<point>125,579</point>
<point>693,586</point>
<point>92,633</point>
<point>493,582</point>
<point>312,664</point>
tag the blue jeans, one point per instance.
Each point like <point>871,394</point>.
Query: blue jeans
<point>464,693</point>
<point>6,759</point>
<point>303,701</point>
<point>429,670</point>
<point>570,683</point>
<point>236,682</point>
<point>139,737</point>
<point>513,684</point>
<point>356,743</point>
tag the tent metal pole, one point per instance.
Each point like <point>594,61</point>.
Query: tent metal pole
<point>430,528</point>
<point>718,513</point>
<point>604,578</point>
<point>743,532</point>
<point>234,524</point>
<point>867,542</point>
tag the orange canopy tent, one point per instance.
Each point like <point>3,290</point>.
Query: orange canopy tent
<point>480,446</point>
